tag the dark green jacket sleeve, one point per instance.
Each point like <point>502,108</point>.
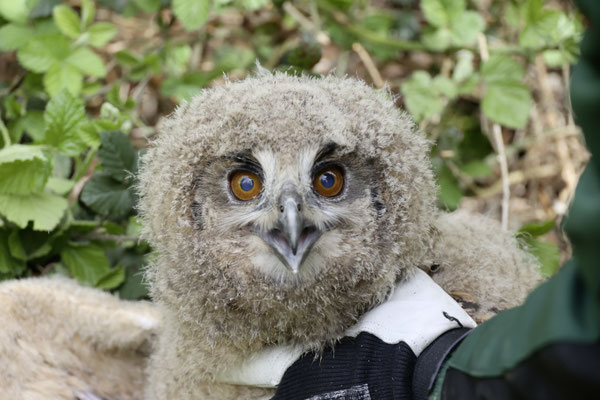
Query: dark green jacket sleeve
<point>549,347</point>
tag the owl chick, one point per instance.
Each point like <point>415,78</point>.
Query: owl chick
<point>281,210</point>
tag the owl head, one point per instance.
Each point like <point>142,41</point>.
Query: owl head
<point>280,201</point>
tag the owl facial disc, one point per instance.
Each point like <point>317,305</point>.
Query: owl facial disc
<point>293,235</point>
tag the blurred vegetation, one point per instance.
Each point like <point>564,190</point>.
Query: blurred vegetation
<point>84,83</point>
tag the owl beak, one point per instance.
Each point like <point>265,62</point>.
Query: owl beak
<point>293,236</point>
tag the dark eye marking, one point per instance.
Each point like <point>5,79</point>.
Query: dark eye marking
<point>325,151</point>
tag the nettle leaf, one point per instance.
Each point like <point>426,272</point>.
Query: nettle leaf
<point>87,62</point>
<point>13,36</point>
<point>500,68</point>
<point>536,229</point>
<point>9,264</point>
<point>476,169</point>
<point>17,10</point>
<point>445,86</point>
<point>44,209</point>
<point>86,263</point>
<point>24,169</point>
<point>441,12</point>
<point>421,101</point>
<point>64,115</point>
<point>192,13</point>
<point>101,33</point>
<point>465,28</point>
<point>437,39</point>
<point>112,279</point>
<point>464,66</point>
<point>62,77</point>
<point>41,53</point>
<point>117,155</point>
<point>108,197</point>
<point>67,21</point>
<point>507,103</point>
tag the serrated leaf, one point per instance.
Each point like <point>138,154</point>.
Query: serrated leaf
<point>192,13</point>
<point>440,12</point>
<point>112,278</point>
<point>67,21</point>
<point>9,264</point>
<point>86,263</point>
<point>464,66</point>
<point>466,27</point>
<point>42,52</point>
<point>62,77</point>
<point>60,186</point>
<point>547,254</point>
<point>421,101</point>
<point>88,11</point>
<point>107,197</point>
<point>24,169</point>
<point>27,245</point>
<point>87,62</point>
<point>507,103</point>
<point>437,39</point>
<point>13,36</point>
<point>34,125</point>
<point>536,229</point>
<point>148,5</point>
<point>64,115</point>
<point>16,10</point>
<point>445,86</point>
<point>500,68</point>
<point>476,169</point>
<point>101,33</point>
<point>44,209</point>
<point>134,287</point>
<point>117,155</point>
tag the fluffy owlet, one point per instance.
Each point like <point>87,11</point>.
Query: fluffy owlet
<point>281,209</point>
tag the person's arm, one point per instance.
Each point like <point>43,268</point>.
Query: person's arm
<point>549,348</point>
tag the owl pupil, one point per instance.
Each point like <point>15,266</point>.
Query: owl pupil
<point>246,184</point>
<point>327,180</point>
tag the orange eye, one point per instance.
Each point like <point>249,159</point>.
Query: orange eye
<point>329,181</point>
<point>245,185</point>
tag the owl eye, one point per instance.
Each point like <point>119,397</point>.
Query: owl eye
<point>329,181</point>
<point>245,185</point>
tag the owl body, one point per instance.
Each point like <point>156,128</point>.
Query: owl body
<point>240,270</point>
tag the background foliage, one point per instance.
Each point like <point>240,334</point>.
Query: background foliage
<point>84,83</point>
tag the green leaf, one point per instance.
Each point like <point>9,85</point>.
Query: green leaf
<point>192,13</point>
<point>421,101</point>
<point>148,5</point>
<point>64,115</point>
<point>101,33</point>
<point>117,155</point>
<point>44,209</point>
<point>536,229</point>
<point>9,264</point>
<point>466,27</point>
<point>547,254</point>
<point>507,103</point>
<point>34,125</point>
<point>107,197</point>
<point>16,10</point>
<point>88,10</point>
<point>441,12</point>
<point>500,68</point>
<point>450,192</point>
<point>87,62</point>
<point>62,77</point>
<point>134,287</point>
<point>60,186</point>
<point>67,21</point>
<point>476,169</point>
<point>112,278</point>
<point>24,169</point>
<point>13,36</point>
<point>41,53</point>
<point>464,66</point>
<point>27,245</point>
<point>437,39</point>
<point>445,86</point>
<point>86,263</point>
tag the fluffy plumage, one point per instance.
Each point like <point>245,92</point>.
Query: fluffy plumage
<point>223,292</point>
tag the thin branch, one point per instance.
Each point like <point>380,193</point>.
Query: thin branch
<point>499,145</point>
<point>366,59</point>
<point>306,23</point>
<point>543,171</point>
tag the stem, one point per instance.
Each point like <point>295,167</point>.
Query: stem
<point>83,167</point>
<point>5,134</point>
